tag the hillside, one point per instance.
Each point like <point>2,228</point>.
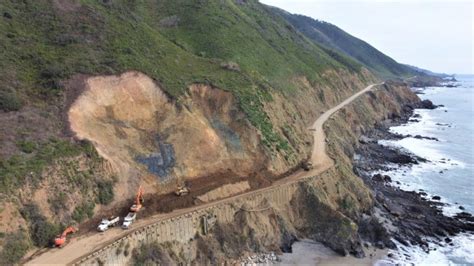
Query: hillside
<point>334,38</point>
<point>99,97</point>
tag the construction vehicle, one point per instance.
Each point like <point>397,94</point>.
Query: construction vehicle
<point>138,201</point>
<point>128,220</point>
<point>60,240</point>
<point>107,223</point>
<point>181,191</point>
<point>307,165</point>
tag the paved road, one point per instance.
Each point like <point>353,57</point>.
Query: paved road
<point>82,246</point>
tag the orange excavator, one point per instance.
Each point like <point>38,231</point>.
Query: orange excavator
<point>60,240</point>
<point>138,201</point>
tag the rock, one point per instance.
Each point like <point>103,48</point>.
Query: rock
<point>365,140</point>
<point>436,198</point>
<point>448,240</point>
<point>7,15</point>
<point>394,209</point>
<point>427,104</point>
<point>461,208</point>
<point>382,178</point>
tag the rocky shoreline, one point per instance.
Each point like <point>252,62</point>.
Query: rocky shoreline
<point>409,217</point>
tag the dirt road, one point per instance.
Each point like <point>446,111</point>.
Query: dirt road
<point>90,242</point>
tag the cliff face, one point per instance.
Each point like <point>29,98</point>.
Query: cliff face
<point>330,208</point>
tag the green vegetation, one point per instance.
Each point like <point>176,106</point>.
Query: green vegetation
<point>105,192</point>
<point>41,231</point>
<point>338,41</point>
<point>9,100</point>
<point>17,168</point>
<point>15,247</point>
<point>26,146</point>
<point>83,211</point>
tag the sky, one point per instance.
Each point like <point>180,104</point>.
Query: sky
<point>431,34</point>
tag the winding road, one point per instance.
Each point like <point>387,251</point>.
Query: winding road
<point>79,247</point>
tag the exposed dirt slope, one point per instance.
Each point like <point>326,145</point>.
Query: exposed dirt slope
<point>149,138</point>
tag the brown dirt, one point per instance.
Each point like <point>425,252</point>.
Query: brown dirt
<point>9,213</point>
<point>225,191</point>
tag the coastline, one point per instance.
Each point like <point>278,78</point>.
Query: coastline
<point>409,218</point>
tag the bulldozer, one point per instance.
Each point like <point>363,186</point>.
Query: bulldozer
<point>138,201</point>
<point>60,240</point>
<point>181,191</point>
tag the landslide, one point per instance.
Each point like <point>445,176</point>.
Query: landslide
<point>148,137</point>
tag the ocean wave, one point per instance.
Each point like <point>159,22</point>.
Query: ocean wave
<point>458,251</point>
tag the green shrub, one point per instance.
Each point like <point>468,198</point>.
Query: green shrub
<point>83,211</point>
<point>42,232</point>
<point>9,100</point>
<point>14,170</point>
<point>26,146</point>
<point>15,247</point>
<point>106,192</point>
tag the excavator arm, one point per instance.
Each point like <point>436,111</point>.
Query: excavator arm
<point>138,200</point>
<point>60,240</point>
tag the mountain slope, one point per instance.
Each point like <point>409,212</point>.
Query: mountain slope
<point>335,38</point>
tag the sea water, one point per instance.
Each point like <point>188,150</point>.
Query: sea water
<point>449,171</point>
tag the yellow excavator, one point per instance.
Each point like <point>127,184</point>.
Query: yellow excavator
<point>181,191</point>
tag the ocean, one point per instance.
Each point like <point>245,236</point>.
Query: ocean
<point>449,171</point>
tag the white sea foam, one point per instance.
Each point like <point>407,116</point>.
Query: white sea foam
<point>458,252</point>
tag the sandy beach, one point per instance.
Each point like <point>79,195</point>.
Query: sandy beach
<point>308,252</point>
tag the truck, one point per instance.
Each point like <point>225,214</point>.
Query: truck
<point>107,223</point>
<point>128,220</point>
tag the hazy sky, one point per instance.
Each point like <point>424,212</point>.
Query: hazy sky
<point>436,35</point>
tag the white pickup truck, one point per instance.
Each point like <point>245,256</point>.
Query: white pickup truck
<point>128,220</point>
<point>107,223</point>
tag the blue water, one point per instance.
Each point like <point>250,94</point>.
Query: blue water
<point>449,172</point>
